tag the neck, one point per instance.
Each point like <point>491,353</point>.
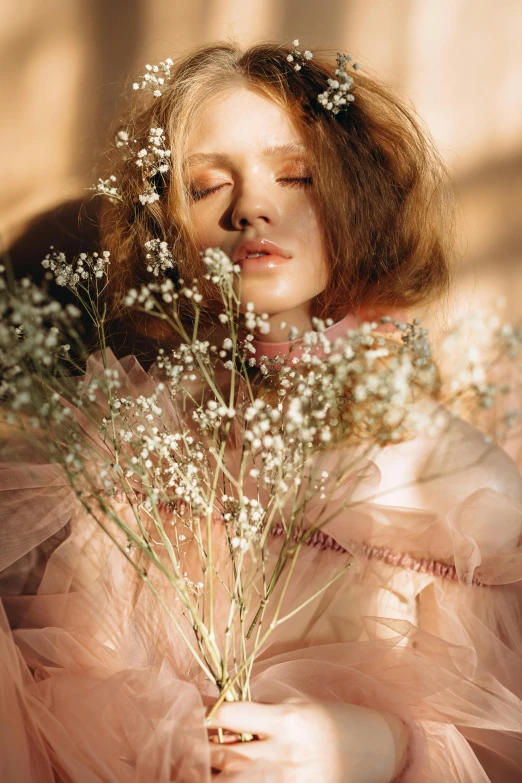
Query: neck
<point>280,324</point>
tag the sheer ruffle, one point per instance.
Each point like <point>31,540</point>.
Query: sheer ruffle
<point>425,624</point>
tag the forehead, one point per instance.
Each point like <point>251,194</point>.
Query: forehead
<point>243,120</point>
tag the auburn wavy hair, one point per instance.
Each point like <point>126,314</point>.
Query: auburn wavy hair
<point>382,193</point>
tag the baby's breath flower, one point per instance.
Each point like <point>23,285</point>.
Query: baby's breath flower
<point>122,139</point>
<point>162,443</point>
<point>153,157</point>
<point>155,77</point>
<point>220,269</point>
<point>77,273</point>
<point>297,57</point>
<point>107,187</point>
<point>255,322</point>
<point>159,256</point>
<point>149,196</point>
<point>338,97</point>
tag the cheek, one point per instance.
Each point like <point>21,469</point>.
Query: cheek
<point>205,227</point>
<point>308,228</point>
<point>302,216</point>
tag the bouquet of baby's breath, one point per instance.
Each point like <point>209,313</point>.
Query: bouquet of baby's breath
<point>215,454</point>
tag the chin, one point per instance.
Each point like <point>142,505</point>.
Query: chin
<point>267,305</point>
<point>266,301</point>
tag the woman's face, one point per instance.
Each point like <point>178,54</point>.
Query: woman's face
<point>250,182</point>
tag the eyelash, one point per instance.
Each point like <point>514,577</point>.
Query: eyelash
<point>197,195</point>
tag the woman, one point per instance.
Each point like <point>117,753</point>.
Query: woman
<point>409,668</point>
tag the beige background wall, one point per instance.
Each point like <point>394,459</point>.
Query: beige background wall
<point>64,63</point>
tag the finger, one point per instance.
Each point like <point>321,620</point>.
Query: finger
<point>233,766</point>
<point>245,751</point>
<point>224,759</point>
<point>246,717</point>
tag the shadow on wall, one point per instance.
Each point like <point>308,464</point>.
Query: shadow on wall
<point>492,197</point>
<point>117,32</point>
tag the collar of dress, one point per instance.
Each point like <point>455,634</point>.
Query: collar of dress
<point>293,348</point>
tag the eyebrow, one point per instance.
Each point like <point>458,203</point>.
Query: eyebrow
<point>272,151</point>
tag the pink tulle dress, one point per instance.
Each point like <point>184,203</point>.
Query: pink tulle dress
<point>96,686</point>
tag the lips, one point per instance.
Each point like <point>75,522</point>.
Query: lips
<point>264,246</point>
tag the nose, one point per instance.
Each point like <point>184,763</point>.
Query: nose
<point>254,205</point>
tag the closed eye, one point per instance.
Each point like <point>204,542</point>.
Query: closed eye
<point>197,194</point>
<point>296,180</point>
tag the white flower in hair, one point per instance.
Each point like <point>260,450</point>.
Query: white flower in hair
<point>151,80</point>
<point>122,139</point>
<point>338,97</point>
<point>159,258</point>
<point>298,57</point>
<point>152,159</point>
<point>107,187</point>
<point>149,196</point>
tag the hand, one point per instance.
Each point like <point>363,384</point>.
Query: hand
<point>306,742</point>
